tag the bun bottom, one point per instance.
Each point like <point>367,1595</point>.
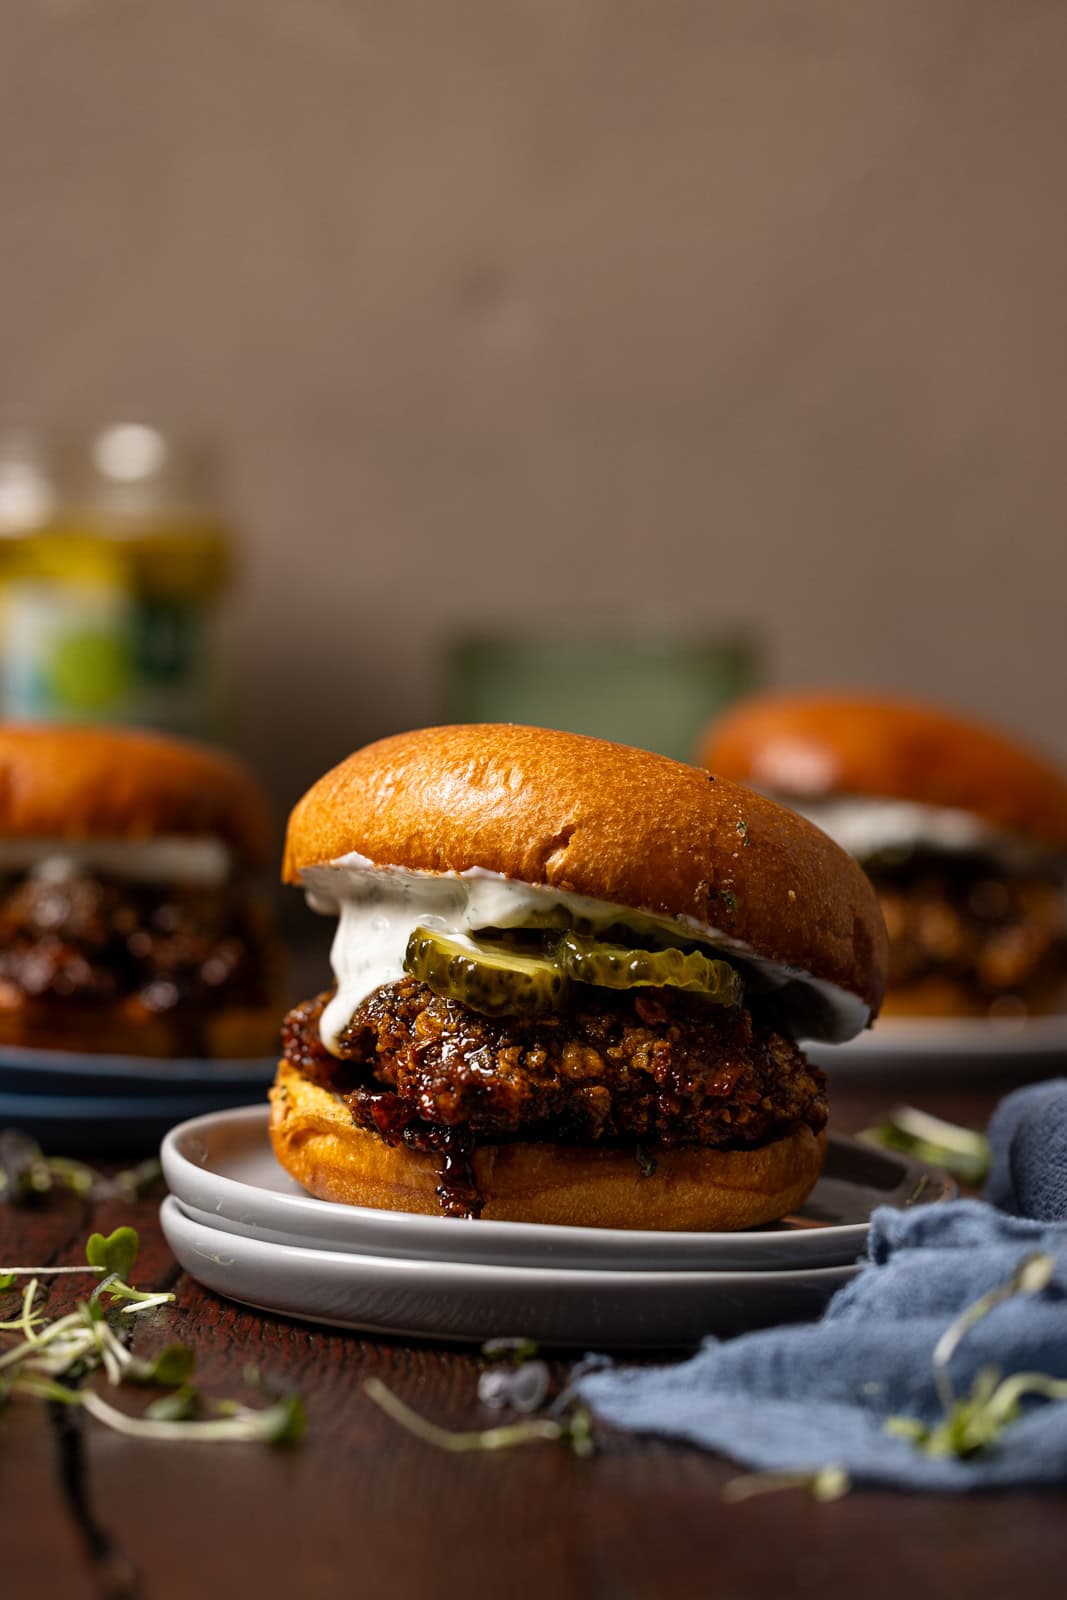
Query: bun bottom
<point>128,1028</point>
<point>690,1189</point>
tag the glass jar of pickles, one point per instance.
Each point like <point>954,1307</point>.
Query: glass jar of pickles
<point>115,556</point>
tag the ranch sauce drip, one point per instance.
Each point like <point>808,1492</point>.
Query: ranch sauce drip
<point>379,908</point>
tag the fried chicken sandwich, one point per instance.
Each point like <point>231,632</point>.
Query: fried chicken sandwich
<point>962,831</point>
<point>131,920</point>
<point>569,978</point>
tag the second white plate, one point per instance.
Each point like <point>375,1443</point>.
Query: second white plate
<point>470,1303</point>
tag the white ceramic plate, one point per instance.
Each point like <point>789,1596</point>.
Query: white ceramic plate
<point>952,1044</point>
<point>223,1172</point>
<point>469,1303</point>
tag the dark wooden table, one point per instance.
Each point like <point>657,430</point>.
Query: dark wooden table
<point>362,1509</point>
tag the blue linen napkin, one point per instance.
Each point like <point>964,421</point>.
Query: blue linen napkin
<point>1028,1141</point>
<point>797,1399</point>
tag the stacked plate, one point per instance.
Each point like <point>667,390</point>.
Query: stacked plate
<point>82,1104</point>
<point>240,1225</point>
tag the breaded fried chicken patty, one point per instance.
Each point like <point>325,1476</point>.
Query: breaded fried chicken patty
<point>647,1064</point>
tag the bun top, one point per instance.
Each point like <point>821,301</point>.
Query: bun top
<point>806,746</point>
<point>75,783</point>
<point>603,820</point>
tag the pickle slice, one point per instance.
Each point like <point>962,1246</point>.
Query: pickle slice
<point>490,978</point>
<point>612,966</point>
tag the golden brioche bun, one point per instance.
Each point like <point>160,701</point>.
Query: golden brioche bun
<point>811,746</point>
<point>129,1028</point>
<point>61,782</point>
<point>599,819</point>
<point>317,1142</point>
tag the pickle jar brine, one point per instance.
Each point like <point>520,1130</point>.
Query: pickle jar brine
<point>115,558</point>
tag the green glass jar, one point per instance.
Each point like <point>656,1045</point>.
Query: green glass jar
<point>655,690</point>
<point>115,558</point>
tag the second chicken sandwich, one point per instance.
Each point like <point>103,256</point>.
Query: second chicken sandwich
<point>962,830</point>
<point>131,920</point>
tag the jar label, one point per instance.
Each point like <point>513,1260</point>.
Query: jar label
<point>96,652</point>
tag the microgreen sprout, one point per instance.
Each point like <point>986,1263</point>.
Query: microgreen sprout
<point>24,1174</point>
<point>52,1359</point>
<point>513,1350</point>
<point>828,1483</point>
<point>280,1423</point>
<point>180,1405</point>
<point>972,1422</point>
<point>27,1317</point>
<point>68,1174</point>
<point>960,1151</point>
<point>114,1254</point>
<point>132,1183</point>
<point>977,1420</point>
<point>574,1430</point>
<point>1033,1274</point>
<point>28,1175</point>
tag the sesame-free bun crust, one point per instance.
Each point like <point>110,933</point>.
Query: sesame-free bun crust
<point>607,821</point>
<point>317,1142</point>
<point>59,782</point>
<point>812,746</point>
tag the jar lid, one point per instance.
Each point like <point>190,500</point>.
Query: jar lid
<point>124,470</point>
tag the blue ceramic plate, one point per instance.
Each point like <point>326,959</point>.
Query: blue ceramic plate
<point>81,1073</point>
<point>100,1124</point>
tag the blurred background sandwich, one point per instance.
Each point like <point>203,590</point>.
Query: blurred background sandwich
<point>132,920</point>
<point>962,830</point>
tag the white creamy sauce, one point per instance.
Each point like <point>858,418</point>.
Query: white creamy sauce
<point>378,909</point>
<point>198,860</point>
<point>864,827</point>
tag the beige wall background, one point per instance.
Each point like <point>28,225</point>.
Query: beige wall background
<point>692,312</point>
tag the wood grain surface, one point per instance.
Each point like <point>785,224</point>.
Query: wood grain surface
<point>361,1509</point>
